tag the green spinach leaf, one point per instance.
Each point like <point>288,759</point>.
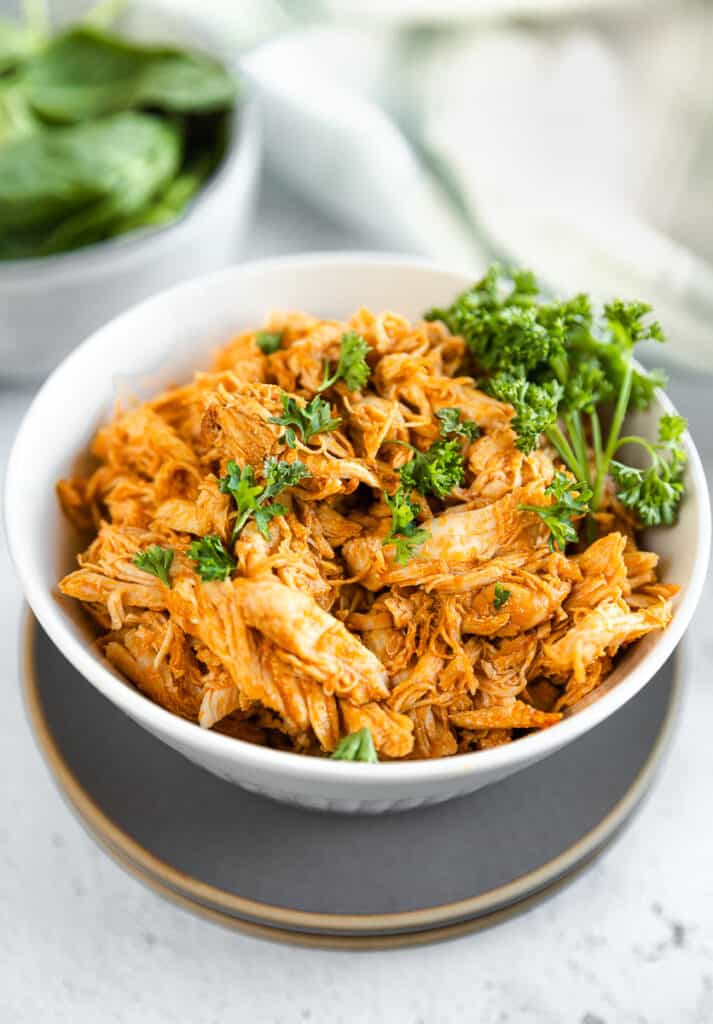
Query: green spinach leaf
<point>17,119</point>
<point>86,73</point>
<point>77,182</point>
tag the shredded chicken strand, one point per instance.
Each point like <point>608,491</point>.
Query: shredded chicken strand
<point>318,628</point>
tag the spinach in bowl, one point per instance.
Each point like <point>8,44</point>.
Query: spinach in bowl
<point>100,135</point>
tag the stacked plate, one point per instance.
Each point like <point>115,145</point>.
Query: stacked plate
<point>329,880</point>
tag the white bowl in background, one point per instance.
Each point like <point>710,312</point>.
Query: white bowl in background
<point>162,341</point>
<point>48,305</point>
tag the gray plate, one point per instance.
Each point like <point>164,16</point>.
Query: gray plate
<point>248,860</point>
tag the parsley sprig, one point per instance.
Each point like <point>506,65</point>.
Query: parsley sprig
<point>558,363</point>
<point>357,746</point>
<point>405,533</point>
<point>314,417</point>
<point>440,468</point>
<point>253,499</point>
<point>436,471</point>
<point>569,503</point>
<point>240,483</point>
<point>213,562</point>
<point>501,596</point>
<point>453,424</point>
<point>654,493</point>
<point>352,366</point>
<point>157,560</point>
<point>535,406</point>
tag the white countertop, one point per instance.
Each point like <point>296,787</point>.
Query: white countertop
<point>629,942</point>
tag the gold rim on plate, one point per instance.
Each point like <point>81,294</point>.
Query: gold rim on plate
<point>339,943</point>
<point>343,931</point>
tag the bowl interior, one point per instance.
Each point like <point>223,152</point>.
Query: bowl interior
<point>161,342</point>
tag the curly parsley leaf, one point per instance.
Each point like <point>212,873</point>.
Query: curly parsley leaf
<point>654,494</point>
<point>504,322</point>
<point>212,560</point>
<point>436,471</point>
<point>614,357</point>
<point>251,498</point>
<point>587,386</point>
<point>241,484</point>
<point>654,497</point>
<point>627,320</point>
<point>156,560</point>
<point>280,474</point>
<point>570,502</point>
<point>672,427</point>
<point>265,514</point>
<point>314,417</point>
<point>535,405</point>
<point>357,746</point>
<point>451,423</point>
<point>352,366</point>
<point>405,533</point>
<point>644,384</point>
<point>268,341</point>
<point>501,596</point>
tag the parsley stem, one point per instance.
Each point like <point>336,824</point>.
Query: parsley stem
<point>635,439</point>
<point>559,365</point>
<point>653,450</point>
<point>327,378</point>
<point>404,444</point>
<point>573,422</point>
<point>560,442</point>
<point>239,524</point>
<point>620,410</point>
<point>591,525</point>
<point>596,438</point>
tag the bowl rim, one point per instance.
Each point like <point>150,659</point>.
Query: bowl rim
<point>188,734</point>
<point>100,256</point>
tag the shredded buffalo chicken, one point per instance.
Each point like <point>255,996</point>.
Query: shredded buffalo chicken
<point>438,616</point>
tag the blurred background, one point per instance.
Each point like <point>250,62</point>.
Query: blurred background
<point>572,136</point>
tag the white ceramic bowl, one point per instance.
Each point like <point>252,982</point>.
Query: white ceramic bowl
<point>163,340</point>
<point>48,305</point>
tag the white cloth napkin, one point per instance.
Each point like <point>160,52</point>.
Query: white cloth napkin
<point>580,146</point>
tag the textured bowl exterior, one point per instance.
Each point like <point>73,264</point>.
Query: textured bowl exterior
<point>342,793</point>
<point>162,341</point>
<point>47,306</point>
